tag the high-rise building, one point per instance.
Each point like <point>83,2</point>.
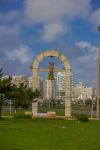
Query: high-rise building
<point>61,85</point>
<point>41,86</point>
<point>41,81</point>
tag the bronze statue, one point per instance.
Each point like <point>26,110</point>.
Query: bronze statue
<point>51,71</point>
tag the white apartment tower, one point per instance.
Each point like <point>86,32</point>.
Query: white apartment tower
<point>61,85</point>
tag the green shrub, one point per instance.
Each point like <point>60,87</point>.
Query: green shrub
<point>82,118</point>
<point>3,119</point>
<point>22,116</point>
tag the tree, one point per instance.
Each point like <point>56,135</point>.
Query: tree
<point>36,93</point>
<point>1,73</point>
<point>14,95</point>
<point>88,102</point>
<point>5,87</point>
<point>23,96</point>
<point>27,98</point>
<point>1,96</point>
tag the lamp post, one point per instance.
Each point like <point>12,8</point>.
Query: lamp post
<point>98,82</point>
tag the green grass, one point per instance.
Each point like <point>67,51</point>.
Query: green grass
<point>49,134</point>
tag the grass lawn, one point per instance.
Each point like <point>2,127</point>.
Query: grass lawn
<point>49,134</point>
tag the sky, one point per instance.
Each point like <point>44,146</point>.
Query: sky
<point>29,27</point>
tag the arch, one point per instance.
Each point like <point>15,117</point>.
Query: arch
<point>67,67</point>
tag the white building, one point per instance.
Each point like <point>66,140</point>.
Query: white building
<point>5,77</point>
<point>30,82</point>
<point>17,80</point>
<point>41,81</point>
<point>81,92</point>
<point>50,89</point>
<point>61,85</point>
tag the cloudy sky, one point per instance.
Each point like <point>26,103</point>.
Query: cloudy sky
<point>28,27</point>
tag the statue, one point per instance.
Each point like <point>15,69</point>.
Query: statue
<point>51,71</point>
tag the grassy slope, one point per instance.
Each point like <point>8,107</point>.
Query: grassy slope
<point>49,134</point>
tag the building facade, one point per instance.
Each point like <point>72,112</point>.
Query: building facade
<point>61,85</point>
<point>17,80</point>
<point>50,89</point>
<point>82,92</point>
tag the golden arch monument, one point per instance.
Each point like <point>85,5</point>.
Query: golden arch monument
<point>67,70</point>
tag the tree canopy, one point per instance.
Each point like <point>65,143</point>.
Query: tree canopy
<point>21,95</point>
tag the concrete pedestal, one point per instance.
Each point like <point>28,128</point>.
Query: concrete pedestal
<point>68,107</point>
<point>34,109</point>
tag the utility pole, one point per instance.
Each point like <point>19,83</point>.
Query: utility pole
<point>98,82</point>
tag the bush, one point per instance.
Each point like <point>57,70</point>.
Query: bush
<point>22,116</point>
<point>82,118</point>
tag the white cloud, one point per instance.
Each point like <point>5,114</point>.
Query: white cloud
<point>87,46</point>
<point>83,44</point>
<point>90,55</point>
<point>95,17</point>
<point>87,59</point>
<point>12,16</point>
<point>51,13</point>
<point>22,54</point>
<point>9,30</point>
<point>9,36</point>
<point>52,31</point>
<point>85,62</point>
<point>46,10</point>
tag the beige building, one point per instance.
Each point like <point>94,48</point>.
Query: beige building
<point>4,77</point>
<point>81,92</point>
<point>17,80</point>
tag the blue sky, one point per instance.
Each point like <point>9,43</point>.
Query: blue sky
<point>28,27</point>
